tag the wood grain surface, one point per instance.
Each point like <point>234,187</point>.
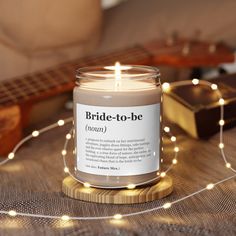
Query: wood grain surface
<point>76,190</point>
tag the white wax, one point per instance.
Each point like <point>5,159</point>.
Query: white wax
<point>122,85</point>
<point>117,93</point>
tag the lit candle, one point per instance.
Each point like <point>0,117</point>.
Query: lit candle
<point>117,111</point>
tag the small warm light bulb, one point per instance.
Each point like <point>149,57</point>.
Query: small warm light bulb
<point>167,205</point>
<point>61,122</point>
<point>87,185</point>
<point>163,174</point>
<point>66,169</point>
<point>65,217</point>
<point>165,87</point>
<point>221,145</point>
<point>210,186</point>
<point>221,101</point>
<point>131,186</point>
<point>12,213</point>
<point>11,155</point>
<point>158,173</point>
<point>221,122</point>
<point>228,165</point>
<point>174,161</point>
<point>117,216</point>
<point>68,136</point>
<point>35,133</point>
<point>176,149</point>
<point>214,87</point>
<point>63,152</point>
<point>195,81</point>
<point>167,129</point>
<point>173,138</point>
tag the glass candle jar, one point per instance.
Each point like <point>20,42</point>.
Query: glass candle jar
<point>117,117</point>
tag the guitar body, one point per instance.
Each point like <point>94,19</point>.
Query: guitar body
<point>10,128</point>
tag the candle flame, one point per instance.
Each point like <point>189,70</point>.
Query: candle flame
<point>117,68</point>
<point>117,71</point>
<point>118,65</point>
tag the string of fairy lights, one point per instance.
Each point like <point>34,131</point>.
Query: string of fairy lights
<point>166,87</point>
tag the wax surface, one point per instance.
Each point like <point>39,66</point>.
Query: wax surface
<point>128,93</point>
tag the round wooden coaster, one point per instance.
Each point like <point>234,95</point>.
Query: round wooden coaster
<point>76,190</point>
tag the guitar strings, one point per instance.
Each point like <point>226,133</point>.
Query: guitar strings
<point>34,82</point>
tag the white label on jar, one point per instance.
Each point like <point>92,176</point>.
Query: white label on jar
<point>118,141</point>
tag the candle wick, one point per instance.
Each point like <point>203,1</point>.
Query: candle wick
<point>117,85</point>
<point>117,71</point>
<point>117,75</point>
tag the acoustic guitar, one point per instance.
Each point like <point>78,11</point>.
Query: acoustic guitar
<point>18,95</point>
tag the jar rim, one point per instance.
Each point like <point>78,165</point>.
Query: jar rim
<point>127,72</point>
